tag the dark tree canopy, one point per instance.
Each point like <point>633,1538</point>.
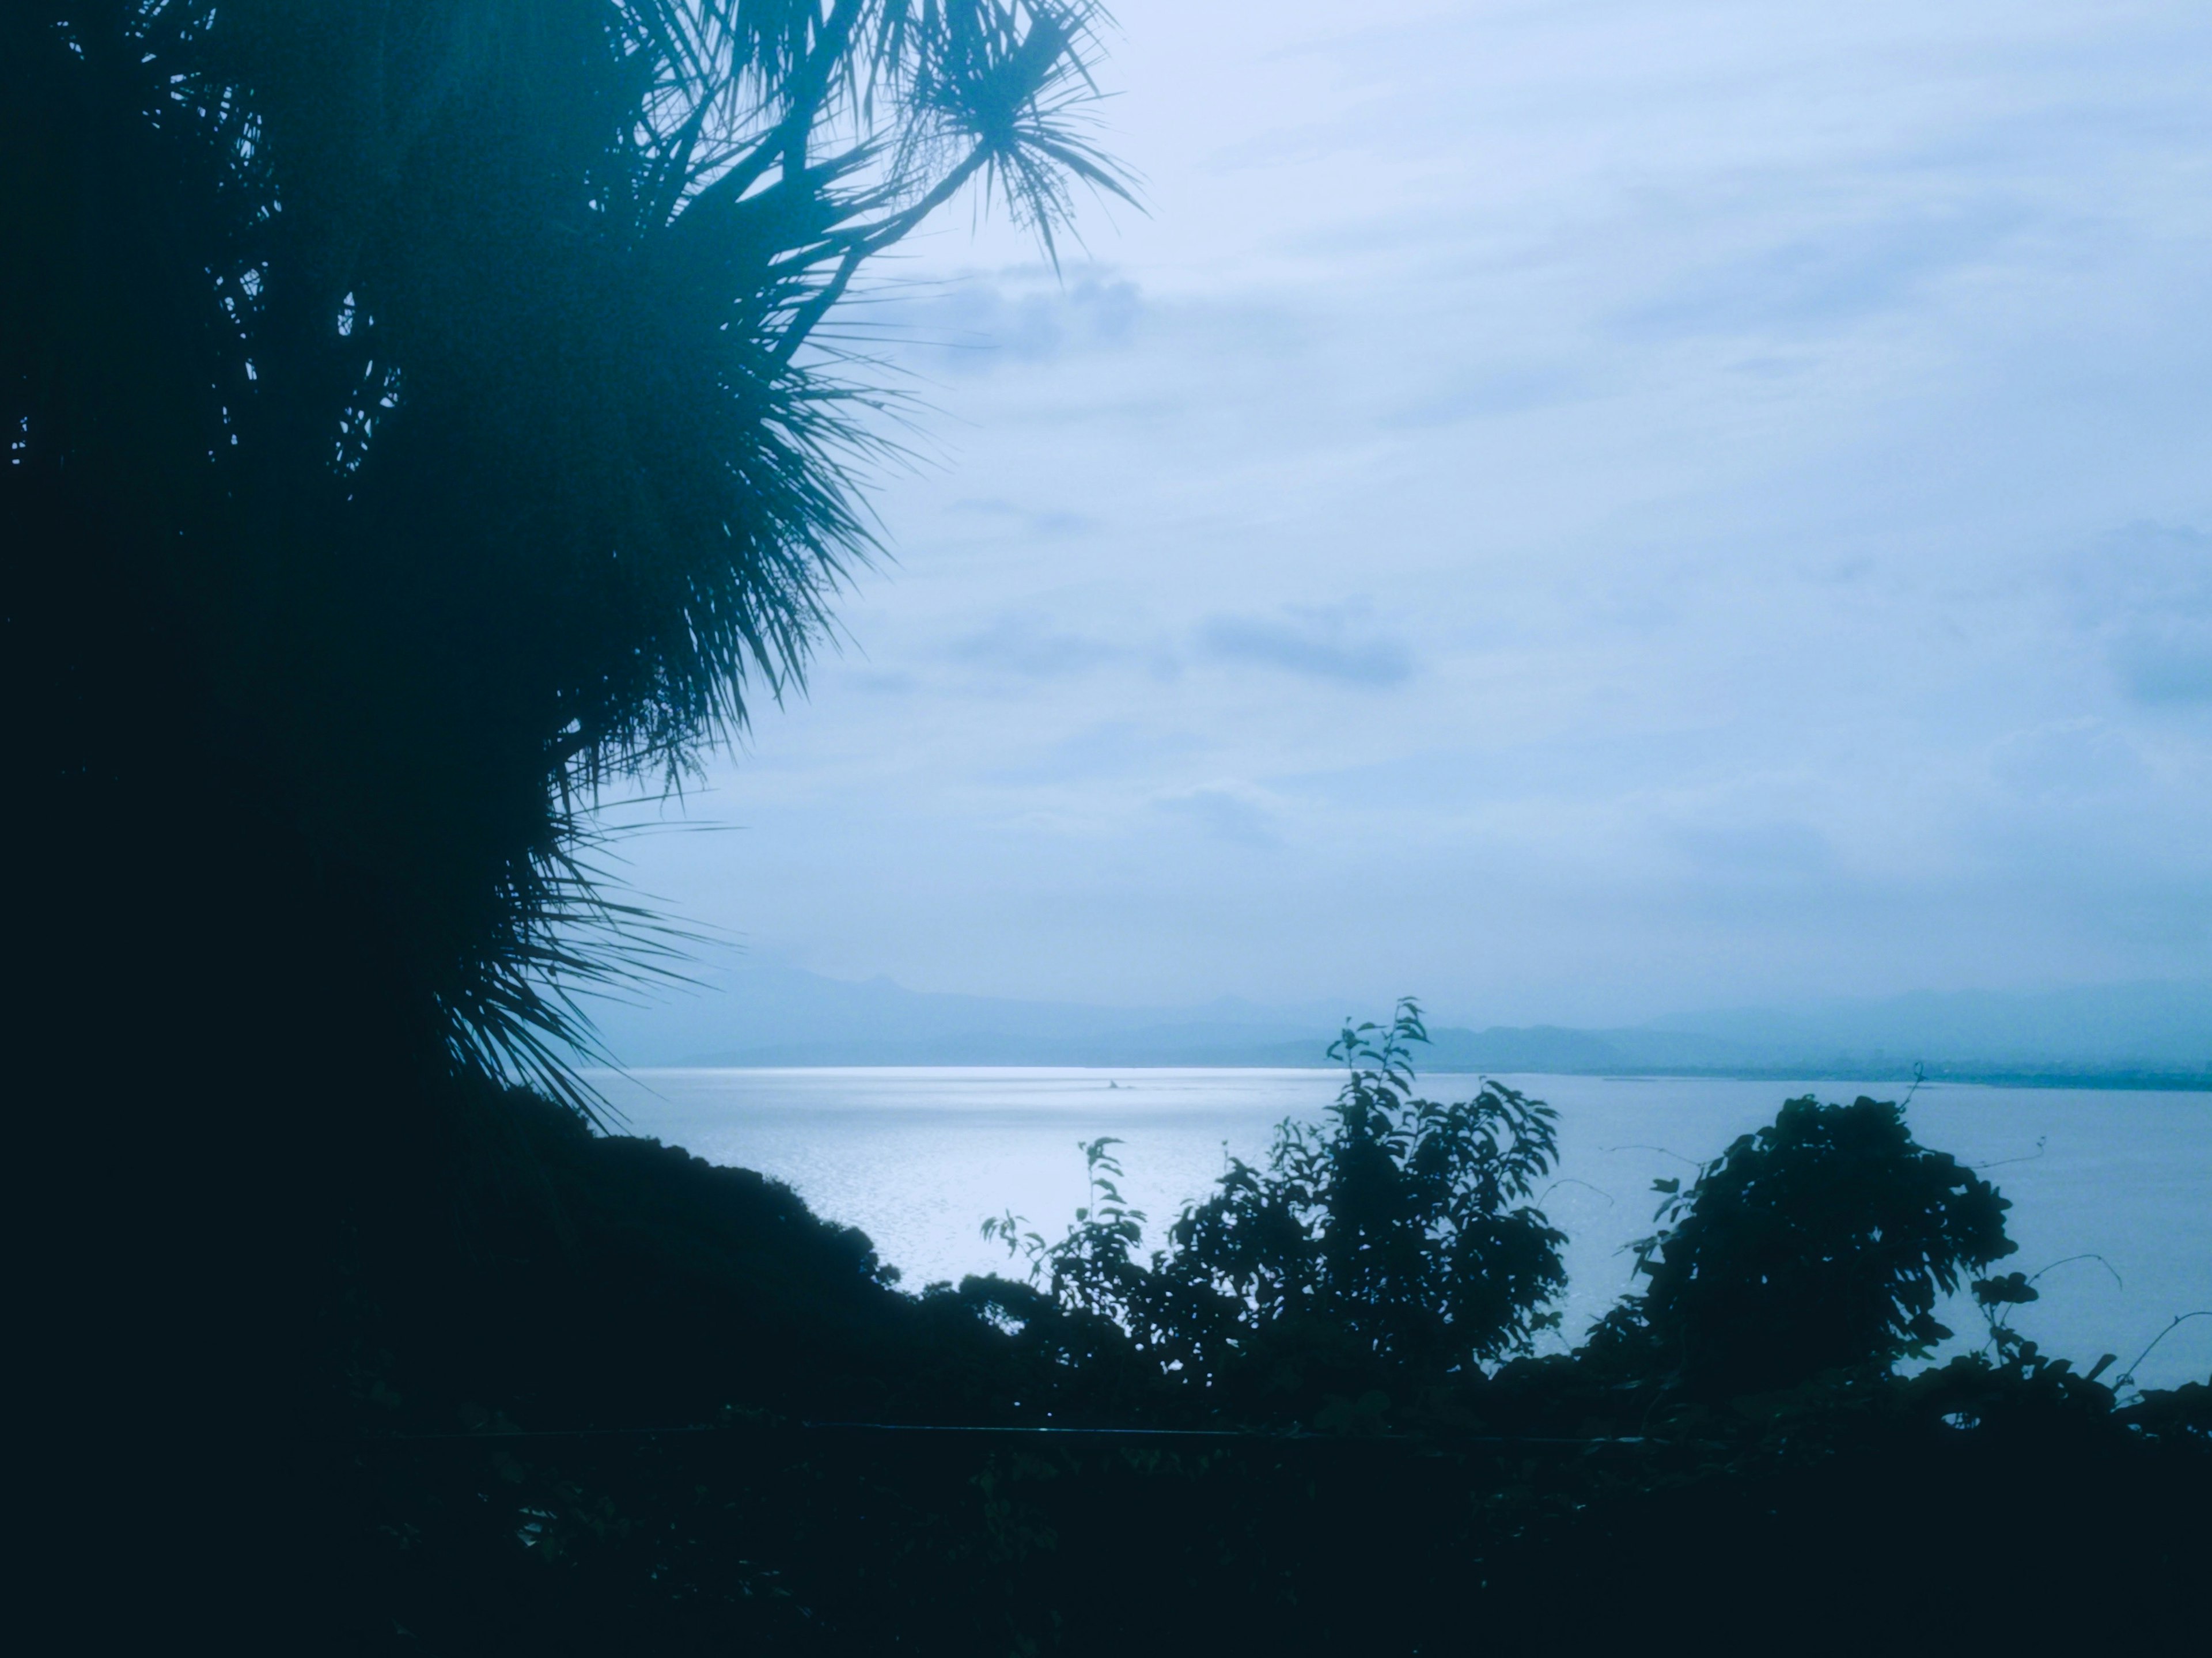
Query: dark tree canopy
<point>420,415</point>
<point>1396,1244</point>
<point>1819,1242</point>
<point>1407,1225</point>
<point>422,412</point>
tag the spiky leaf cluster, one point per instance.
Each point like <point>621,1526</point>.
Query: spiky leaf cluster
<point>432,404</point>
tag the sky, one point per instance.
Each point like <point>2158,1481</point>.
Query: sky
<point>1576,511</point>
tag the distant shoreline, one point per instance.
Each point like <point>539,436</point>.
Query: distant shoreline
<point>2117,1080</point>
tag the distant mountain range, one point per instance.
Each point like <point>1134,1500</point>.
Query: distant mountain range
<point>2157,1034</point>
<point>768,1015</point>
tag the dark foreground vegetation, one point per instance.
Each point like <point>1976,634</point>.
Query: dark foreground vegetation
<point>1308,1423</point>
<point>423,416</point>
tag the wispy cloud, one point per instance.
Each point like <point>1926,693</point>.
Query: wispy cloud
<point>2147,590</point>
<point>1107,752</point>
<point>1034,646</point>
<point>2072,759</point>
<point>1822,278</point>
<point>981,323</point>
<point>1226,812</point>
<point>1490,393</point>
<point>1315,644</point>
<point>2163,649</point>
<point>1041,523</point>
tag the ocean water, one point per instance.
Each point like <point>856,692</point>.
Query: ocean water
<point>917,1157</point>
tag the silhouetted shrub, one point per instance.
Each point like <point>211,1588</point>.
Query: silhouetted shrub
<point>1819,1242</point>
<point>1392,1246</point>
<point>1587,1486</point>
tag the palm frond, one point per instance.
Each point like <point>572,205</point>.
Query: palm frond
<point>463,373</point>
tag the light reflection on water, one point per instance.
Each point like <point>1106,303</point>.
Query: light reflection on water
<point>917,1156</point>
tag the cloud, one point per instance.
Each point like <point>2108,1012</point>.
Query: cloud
<point>1111,749</point>
<point>1755,852</point>
<point>1314,643</point>
<point>1037,525</point>
<point>2071,759</point>
<point>1227,812</point>
<point>2168,659</point>
<point>976,324</point>
<point>1822,281</point>
<point>1493,392</point>
<point>1030,646</point>
<point>2147,590</point>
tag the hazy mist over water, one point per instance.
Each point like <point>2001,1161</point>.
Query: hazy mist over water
<point>917,1157</point>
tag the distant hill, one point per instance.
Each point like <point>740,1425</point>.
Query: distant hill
<point>767,1014</point>
<point>2156,1025</point>
<point>2153,1034</point>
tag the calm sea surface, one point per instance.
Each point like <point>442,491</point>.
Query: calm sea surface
<point>916,1157</point>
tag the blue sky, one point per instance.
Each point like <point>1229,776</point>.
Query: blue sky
<point>1578,510</point>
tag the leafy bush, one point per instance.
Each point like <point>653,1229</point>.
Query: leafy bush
<point>1819,1242</point>
<point>1395,1245</point>
<point>924,1517</point>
